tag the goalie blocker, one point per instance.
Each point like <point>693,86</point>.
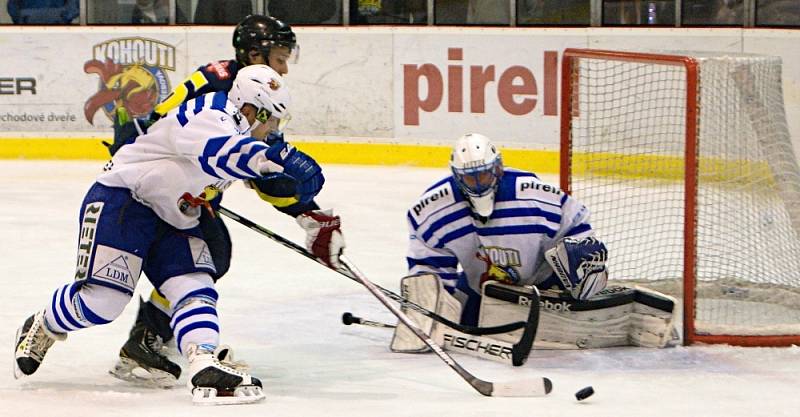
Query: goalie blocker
<point>616,316</point>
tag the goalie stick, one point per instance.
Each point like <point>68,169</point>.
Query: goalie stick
<point>478,346</point>
<point>535,387</point>
<point>473,330</point>
<point>348,319</point>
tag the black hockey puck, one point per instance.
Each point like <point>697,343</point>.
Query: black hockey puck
<point>584,393</point>
<point>347,319</point>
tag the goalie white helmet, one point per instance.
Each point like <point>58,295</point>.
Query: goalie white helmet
<point>264,88</point>
<point>477,168</point>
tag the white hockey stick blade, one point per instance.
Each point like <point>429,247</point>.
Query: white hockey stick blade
<point>535,387</point>
<point>246,394</point>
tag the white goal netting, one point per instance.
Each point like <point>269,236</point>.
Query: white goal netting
<point>628,150</point>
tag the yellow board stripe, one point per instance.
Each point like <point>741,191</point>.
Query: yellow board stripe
<point>668,168</point>
<point>324,152</point>
<point>49,148</point>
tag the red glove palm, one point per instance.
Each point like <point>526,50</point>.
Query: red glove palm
<point>323,237</point>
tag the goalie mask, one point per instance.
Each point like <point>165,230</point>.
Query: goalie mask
<point>477,168</point>
<point>262,87</point>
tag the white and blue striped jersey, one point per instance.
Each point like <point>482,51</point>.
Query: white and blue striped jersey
<point>202,143</point>
<point>529,218</point>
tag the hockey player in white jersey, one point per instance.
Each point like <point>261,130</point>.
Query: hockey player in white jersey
<point>142,213</point>
<point>486,222</point>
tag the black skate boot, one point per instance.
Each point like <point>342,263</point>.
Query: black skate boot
<point>214,383</point>
<point>33,341</point>
<point>141,359</point>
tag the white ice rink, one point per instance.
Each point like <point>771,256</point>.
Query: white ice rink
<point>281,313</point>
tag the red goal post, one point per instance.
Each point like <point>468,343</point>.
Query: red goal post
<point>687,167</point>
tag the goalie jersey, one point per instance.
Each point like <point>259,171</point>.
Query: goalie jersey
<point>529,218</point>
<point>195,151</point>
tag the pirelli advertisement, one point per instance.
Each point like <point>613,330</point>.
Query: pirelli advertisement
<point>417,86</point>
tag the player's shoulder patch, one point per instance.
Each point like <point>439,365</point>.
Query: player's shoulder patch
<point>221,69</point>
<point>529,187</point>
<point>436,198</point>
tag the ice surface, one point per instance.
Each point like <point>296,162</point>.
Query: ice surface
<point>282,313</point>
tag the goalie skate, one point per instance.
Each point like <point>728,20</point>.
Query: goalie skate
<point>213,382</point>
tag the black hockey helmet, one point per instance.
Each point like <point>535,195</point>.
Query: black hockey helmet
<point>260,33</point>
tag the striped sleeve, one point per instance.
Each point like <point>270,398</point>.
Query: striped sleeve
<point>423,258</point>
<point>574,219</point>
<point>209,137</point>
<point>233,157</point>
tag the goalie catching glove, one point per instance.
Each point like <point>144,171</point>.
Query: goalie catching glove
<point>580,265</point>
<point>323,235</point>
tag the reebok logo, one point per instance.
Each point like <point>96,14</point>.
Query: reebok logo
<point>524,301</point>
<point>555,307</point>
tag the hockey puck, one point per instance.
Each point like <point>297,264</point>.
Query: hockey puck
<point>584,393</point>
<point>347,319</point>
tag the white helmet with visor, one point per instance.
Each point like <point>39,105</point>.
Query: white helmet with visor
<point>262,87</point>
<point>477,168</point>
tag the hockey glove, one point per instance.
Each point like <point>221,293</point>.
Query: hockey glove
<point>124,131</point>
<point>323,237</point>
<point>274,137</point>
<point>298,165</point>
<point>580,265</point>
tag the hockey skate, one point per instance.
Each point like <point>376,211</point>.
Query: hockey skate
<point>225,355</point>
<point>214,383</point>
<point>143,358</point>
<point>32,342</point>
<point>142,362</point>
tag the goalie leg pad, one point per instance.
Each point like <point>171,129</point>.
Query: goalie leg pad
<point>427,291</point>
<point>616,316</point>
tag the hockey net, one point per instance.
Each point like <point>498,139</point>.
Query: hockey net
<point>686,164</point>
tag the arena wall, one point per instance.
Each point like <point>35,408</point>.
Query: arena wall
<point>362,95</point>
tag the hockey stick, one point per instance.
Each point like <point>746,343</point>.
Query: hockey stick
<point>523,388</point>
<point>495,350</point>
<point>473,330</point>
<point>348,319</point>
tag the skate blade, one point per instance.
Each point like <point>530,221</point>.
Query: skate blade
<point>245,394</point>
<point>130,371</point>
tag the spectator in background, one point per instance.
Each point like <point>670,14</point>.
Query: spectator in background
<point>219,12</point>
<point>638,12</point>
<point>388,12</point>
<point>43,12</point>
<point>153,12</point>
<point>729,12</point>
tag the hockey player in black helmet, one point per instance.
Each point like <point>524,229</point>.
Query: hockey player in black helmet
<point>256,40</point>
<point>256,35</point>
